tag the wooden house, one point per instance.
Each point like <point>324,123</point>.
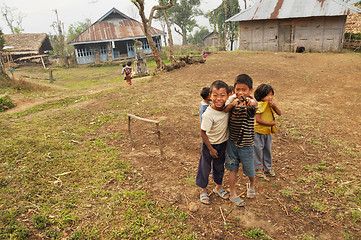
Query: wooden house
<point>27,45</point>
<point>288,25</point>
<point>211,39</point>
<point>112,37</point>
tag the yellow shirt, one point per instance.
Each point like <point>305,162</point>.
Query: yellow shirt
<point>267,114</point>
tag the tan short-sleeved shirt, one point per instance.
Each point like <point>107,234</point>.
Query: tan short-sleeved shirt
<point>215,124</point>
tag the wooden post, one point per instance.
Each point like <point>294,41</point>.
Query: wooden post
<point>159,141</point>
<point>130,132</point>
<point>51,76</point>
<point>42,61</point>
<point>150,121</point>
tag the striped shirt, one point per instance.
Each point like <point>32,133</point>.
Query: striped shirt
<point>241,126</point>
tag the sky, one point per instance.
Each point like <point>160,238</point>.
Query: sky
<point>39,14</point>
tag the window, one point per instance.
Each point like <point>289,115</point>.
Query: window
<point>103,50</point>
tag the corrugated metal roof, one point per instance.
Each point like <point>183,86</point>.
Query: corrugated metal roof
<point>112,27</point>
<point>280,9</point>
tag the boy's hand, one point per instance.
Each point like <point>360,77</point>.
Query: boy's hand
<point>213,153</point>
<point>235,102</point>
<point>272,104</point>
<point>272,123</point>
<point>251,102</point>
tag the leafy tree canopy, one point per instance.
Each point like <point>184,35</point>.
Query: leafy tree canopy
<point>183,14</point>
<point>2,39</point>
<point>198,36</point>
<point>77,28</point>
<point>218,18</point>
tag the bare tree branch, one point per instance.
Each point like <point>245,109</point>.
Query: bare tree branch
<point>13,19</point>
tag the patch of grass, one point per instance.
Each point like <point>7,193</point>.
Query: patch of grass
<point>355,215</point>
<point>288,192</point>
<point>190,180</point>
<point>318,206</point>
<point>296,209</point>
<point>6,103</point>
<point>256,233</point>
<point>53,233</point>
<point>14,231</point>
<point>51,105</point>
<point>40,221</point>
<point>306,236</point>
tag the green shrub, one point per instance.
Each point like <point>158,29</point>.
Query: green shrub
<point>6,103</point>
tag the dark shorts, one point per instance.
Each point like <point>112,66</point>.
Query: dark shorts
<point>236,155</point>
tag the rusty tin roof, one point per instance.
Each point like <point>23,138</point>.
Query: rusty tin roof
<point>280,9</point>
<point>113,26</point>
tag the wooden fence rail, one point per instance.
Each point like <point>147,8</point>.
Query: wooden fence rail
<point>145,120</point>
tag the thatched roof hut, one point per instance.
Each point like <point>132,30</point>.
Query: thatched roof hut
<point>353,23</point>
<point>27,44</point>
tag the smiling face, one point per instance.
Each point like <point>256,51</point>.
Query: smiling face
<point>269,97</point>
<point>242,89</point>
<point>219,98</point>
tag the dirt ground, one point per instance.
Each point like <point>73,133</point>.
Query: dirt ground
<point>318,95</point>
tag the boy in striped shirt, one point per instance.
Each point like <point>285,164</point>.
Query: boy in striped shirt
<point>241,134</point>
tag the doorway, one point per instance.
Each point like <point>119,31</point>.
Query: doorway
<point>285,39</point>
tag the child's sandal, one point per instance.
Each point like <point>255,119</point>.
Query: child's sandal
<point>260,174</point>
<point>270,173</point>
<point>251,193</point>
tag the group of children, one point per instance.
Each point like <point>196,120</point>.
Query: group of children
<point>236,130</point>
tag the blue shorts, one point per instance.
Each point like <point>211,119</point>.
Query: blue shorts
<point>236,155</point>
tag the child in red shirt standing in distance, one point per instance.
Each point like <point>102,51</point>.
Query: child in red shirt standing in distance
<point>128,73</point>
<point>214,133</point>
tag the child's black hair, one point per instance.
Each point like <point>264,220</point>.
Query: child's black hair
<point>218,85</point>
<point>231,88</point>
<point>205,92</point>
<point>124,65</point>
<point>244,79</point>
<point>129,63</point>
<point>262,91</point>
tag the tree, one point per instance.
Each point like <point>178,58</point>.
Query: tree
<point>227,31</point>
<point>2,40</point>
<point>182,14</point>
<point>198,36</point>
<point>58,40</point>
<point>163,16</point>
<point>77,28</point>
<point>147,24</point>
<point>13,18</point>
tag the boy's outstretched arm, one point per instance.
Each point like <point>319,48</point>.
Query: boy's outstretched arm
<point>229,107</point>
<point>205,139</point>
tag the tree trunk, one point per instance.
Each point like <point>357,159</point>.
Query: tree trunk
<point>170,38</point>
<point>184,36</point>
<point>147,25</point>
